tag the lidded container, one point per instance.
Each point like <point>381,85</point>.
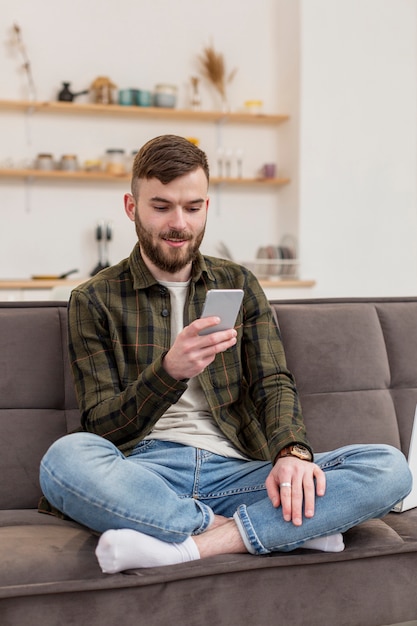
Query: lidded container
<point>165,96</point>
<point>115,162</point>
<point>44,161</point>
<point>69,162</point>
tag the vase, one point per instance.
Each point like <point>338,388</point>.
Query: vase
<point>224,103</point>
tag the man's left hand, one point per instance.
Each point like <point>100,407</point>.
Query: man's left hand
<point>294,484</point>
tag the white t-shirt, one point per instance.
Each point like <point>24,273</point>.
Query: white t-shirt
<point>189,421</point>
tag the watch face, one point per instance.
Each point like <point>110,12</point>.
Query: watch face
<point>301,452</point>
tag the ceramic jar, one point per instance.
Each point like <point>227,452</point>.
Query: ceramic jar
<point>165,96</point>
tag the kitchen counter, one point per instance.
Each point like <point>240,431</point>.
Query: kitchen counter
<point>30,283</point>
<point>60,289</point>
<point>44,283</point>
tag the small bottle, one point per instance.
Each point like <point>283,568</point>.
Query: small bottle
<point>115,162</point>
<point>130,160</point>
<point>195,95</point>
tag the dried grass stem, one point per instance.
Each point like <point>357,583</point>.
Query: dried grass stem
<point>213,68</point>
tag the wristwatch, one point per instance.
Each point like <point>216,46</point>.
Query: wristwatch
<point>301,452</point>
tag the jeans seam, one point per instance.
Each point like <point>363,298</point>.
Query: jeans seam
<point>197,472</point>
<point>230,492</point>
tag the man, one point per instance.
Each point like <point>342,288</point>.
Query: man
<point>194,445</point>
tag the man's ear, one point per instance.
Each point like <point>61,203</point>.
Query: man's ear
<point>130,206</point>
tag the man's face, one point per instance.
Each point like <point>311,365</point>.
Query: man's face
<point>170,220</point>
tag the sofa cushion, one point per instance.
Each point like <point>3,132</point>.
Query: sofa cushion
<point>37,399</point>
<point>355,367</point>
<point>67,551</point>
<point>399,325</point>
<point>25,436</point>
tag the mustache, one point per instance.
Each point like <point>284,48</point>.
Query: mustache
<point>176,234</point>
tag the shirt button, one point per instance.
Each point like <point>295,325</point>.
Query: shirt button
<point>164,312</point>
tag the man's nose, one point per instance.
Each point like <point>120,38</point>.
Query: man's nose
<point>177,220</point>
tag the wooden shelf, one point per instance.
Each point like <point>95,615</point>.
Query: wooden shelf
<point>263,182</point>
<point>62,175</point>
<point>82,175</point>
<point>74,108</point>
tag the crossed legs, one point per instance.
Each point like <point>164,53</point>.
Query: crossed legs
<point>150,514</point>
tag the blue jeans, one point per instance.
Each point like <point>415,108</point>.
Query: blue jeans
<point>171,491</point>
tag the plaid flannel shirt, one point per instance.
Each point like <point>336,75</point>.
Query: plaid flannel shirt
<point>119,332</point>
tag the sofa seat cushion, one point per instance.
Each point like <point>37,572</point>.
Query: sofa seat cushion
<point>49,572</point>
<point>36,549</point>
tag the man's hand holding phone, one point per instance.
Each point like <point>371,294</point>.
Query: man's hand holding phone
<point>197,345</point>
<point>191,352</point>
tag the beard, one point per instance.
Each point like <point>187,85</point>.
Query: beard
<point>170,260</point>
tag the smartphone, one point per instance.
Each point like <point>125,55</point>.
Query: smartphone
<point>224,303</point>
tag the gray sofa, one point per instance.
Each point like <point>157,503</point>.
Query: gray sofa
<point>355,362</point>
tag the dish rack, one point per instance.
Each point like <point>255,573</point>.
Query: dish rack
<point>272,262</point>
<point>275,262</point>
<point>273,269</point>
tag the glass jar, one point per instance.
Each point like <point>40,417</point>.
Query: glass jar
<point>69,163</point>
<point>44,161</point>
<point>115,162</point>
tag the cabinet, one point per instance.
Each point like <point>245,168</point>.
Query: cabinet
<point>143,114</point>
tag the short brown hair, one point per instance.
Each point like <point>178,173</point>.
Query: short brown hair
<point>166,157</point>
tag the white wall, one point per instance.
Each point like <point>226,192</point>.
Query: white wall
<point>344,69</point>
<point>50,227</point>
<point>358,218</point>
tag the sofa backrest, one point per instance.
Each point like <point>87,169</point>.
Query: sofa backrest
<point>355,364</point>
<point>37,399</point>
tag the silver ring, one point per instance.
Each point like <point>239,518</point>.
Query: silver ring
<point>285,485</point>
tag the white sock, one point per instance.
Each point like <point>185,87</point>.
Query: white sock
<point>331,543</point>
<point>123,549</point>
